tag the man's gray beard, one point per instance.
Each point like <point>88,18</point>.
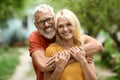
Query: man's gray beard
<point>47,36</point>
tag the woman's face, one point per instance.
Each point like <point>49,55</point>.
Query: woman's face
<point>65,29</point>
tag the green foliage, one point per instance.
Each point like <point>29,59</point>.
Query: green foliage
<point>111,56</point>
<point>8,62</point>
<point>13,8</point>
<point>111,50</point>
<point>9,8</point>
<point>112,78</point>
<point>117,68</point>
<point>94,15</point>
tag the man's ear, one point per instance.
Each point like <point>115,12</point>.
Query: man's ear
<point>35,23</point>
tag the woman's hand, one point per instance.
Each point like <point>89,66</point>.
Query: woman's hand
<point>78,53</point>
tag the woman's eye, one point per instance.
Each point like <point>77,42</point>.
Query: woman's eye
<point>60,26</point>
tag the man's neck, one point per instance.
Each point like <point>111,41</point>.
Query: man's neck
<point>50,40</point>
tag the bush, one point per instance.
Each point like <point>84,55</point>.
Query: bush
<point>111,57</point>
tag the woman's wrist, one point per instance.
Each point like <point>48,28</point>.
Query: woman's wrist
<point>83,61</point>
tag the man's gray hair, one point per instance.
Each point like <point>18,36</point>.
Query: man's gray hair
<point>43,7</point>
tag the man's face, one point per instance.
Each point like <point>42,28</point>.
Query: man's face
<point>45,24</point>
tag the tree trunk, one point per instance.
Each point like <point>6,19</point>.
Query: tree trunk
<point>115,38</point>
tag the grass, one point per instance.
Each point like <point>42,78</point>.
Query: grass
<point>8,62</point>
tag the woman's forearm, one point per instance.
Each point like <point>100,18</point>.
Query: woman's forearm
<point>88,71</point>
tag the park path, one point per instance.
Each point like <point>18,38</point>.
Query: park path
<point>24,70</point>
<point>103,73</point>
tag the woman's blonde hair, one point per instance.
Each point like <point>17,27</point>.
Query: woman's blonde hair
<point>70,16</point>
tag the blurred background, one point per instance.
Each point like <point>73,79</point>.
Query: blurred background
<point>99,19</point>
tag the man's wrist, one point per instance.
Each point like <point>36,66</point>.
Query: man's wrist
<point>59,70</point>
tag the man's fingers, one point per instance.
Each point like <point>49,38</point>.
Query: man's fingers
<point>51,61</point>
<point>52,65</point>
<point>90,59</point>
<point>81,48</point>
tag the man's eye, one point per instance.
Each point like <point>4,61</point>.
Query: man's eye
<point>42,21</point>
<point>49,19</point>
<point>69,24</point>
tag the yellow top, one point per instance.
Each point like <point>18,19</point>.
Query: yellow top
<point>72,71</point>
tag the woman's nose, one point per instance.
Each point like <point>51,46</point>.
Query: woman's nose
<point>65,28</point>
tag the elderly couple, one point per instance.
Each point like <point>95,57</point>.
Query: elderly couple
<point>59,51</point>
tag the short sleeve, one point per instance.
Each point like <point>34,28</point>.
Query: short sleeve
<point>34,42</point>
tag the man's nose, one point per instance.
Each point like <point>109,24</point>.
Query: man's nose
<point>46,23</point>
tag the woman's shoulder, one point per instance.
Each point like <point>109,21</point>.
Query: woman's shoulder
<point>52,49</point>
<point>54,45</point>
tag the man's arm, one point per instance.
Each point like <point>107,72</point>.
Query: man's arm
<point>40,60</point>
<point>91,45</point>
<point>37,52</point>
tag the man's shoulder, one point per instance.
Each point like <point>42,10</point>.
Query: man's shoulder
<point>85,35</point>
<point>34,34</point>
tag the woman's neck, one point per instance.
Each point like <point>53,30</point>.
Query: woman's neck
<point>67,44</point>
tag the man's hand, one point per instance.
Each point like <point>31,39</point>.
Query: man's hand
<point>59,58</point>
<point>62,60</point>
<point>89,59</point>
<point>51,64</point>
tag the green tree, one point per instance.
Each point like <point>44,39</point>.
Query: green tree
<point>95,15</point>
<point>12,8</point>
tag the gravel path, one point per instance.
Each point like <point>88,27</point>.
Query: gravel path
<point>24,70</point>
<point>103,73</point>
